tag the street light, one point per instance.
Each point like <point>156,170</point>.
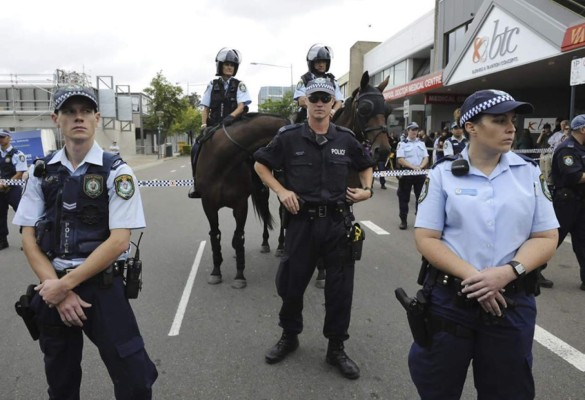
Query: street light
<point>159,115</point>
<point>279,66</point>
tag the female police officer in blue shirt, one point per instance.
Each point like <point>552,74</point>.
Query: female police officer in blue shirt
<point>484,222</point>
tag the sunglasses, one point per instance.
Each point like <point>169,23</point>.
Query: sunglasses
<point>324,97</point>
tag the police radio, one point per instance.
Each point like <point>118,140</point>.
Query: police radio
<point>133,279</point>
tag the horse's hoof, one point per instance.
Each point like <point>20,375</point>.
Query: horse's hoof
<point>214,279</point>
<point>265,249</point>
<point>239,283</point>
<point>279,252</point>
<point>320,283</point>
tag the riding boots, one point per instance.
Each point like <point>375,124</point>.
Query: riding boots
<point>288,343</point>
<point>336,356</point>
<point>545,283</point>
<point>193,193</point>
<point>403,224</point>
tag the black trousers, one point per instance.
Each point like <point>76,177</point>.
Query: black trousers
<point>570,212</point>
<point>405,185</point>
<point>306,240</point>
<point>10,198</point>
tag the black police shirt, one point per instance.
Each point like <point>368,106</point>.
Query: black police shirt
<point>318,173</point>
<point>568,163</point>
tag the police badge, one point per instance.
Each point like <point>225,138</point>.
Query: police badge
<point>93,185</point>
<point>425,191</point>
<point>568,160</point>
<point>124,186</point>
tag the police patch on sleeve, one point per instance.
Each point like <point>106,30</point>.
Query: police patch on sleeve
<point>544,188</point>
<point>124,186</point>
<point>93,185</point>
<point>242,87</point>
<point>300,85</point>
<point>568,160</point>
<point>425,191</point>
<point>22,158</point>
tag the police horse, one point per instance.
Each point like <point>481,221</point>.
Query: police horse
<point>226,178</point>
<point>364,112</point>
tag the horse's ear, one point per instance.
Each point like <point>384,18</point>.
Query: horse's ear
<point>365,80</point>
<point>383,85</point>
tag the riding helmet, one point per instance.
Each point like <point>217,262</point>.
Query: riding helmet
<point>319,52</point>
<point>229,55</point>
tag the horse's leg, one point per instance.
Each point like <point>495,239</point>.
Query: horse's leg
<point>265,246</point>
<point>240,214</point>
<point>280,249</point>
<point>215,239</point>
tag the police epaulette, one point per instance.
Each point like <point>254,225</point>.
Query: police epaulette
<point>289,127</point>
<point>344,129</point>
<point>527,158</point>
<point>446,158</point>
<point>113,159</point>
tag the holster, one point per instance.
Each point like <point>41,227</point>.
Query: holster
<point>418,316</point>
<point>22,307</point>
<point>357,236</point>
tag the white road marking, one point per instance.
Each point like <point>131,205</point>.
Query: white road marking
<point>560,348</point>
<point>186,293</point>
<point>173,170</point>
<point>182,166</point>
<point>374,227</point>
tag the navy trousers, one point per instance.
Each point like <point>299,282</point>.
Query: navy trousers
<point>112,327</point>
<point>10,198</point>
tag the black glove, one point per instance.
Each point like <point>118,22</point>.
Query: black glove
<point>227,121</point>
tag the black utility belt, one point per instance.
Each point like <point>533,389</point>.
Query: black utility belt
<point>322,210</point>
<point>526,284</point>
<point>116,269</point>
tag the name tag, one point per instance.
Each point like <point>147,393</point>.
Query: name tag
<point>466,192</point>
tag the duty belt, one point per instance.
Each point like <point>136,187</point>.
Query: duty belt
<point>523,285</point>
<point>117,269</point>
<point>321,210</point>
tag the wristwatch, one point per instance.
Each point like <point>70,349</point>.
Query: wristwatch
<point>371,191</point>
<point>518,268</point>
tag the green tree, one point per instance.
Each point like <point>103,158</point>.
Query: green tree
<point>285,107</point>
<point>167,98</point>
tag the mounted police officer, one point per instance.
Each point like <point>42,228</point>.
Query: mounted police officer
<point>568,173</point>
<point>456,143</point>
<point>225,99</point>
<point>12,166</point>
<point>319,59</point>
<point>316,158</point>
<point>76,214</point>
<point>411,155</point>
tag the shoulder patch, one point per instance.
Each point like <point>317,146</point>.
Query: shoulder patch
<point>242,87</point>
<point>544,187</point>
<point>568,160</point>
<point>22,157</point>
<point>425,190</point>
<point>124,185</point>
<point>300,85</point>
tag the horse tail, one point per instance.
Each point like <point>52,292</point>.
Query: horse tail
<point>260,194</point>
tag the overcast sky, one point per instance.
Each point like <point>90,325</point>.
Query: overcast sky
<point>133,40</point>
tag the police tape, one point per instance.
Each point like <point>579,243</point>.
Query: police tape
<point>189,182</point>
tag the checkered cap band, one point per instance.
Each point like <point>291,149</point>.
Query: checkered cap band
<point>486,105</point>
<point>63,95</point>
<point>320,85</point>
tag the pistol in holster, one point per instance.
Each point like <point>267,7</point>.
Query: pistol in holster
<point>22,307</point>
<point>418,316</point>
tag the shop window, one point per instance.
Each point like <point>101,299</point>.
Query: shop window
<point>453,41</point>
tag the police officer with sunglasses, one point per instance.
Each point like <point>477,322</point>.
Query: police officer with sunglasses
<point>316,158</point>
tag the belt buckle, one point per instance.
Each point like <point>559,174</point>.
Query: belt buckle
<point>322,211</point>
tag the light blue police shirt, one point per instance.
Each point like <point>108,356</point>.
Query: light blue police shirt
<point>301,90</point>
<point>243,95</point>
<point>413,151</point>
<point>18,159</point>
<point>123,214</point>
<point>484,220</point>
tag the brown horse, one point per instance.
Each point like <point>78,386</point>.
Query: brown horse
<point>226,178</point>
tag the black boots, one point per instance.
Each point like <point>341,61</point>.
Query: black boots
<point>3,243</point>
<point>336,356</point>
<point>545,283</point>
<point>287,344</point>
<point>193,193</point>
<point>403,224</point>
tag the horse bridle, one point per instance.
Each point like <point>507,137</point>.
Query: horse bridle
<point>361,131</point>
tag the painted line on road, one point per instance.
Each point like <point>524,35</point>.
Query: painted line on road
<point>560,348</point>
<point>375,228</point>
<point>173,170</point>
<point>176,326</point>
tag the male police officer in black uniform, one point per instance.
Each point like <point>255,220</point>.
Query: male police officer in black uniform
<point>568,173</point>
<point>77,214</point>
<point>12,166</point>
<point>316,158</point>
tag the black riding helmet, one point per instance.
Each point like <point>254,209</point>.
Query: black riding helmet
<point>229,55</point>
<point>319,52</point>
